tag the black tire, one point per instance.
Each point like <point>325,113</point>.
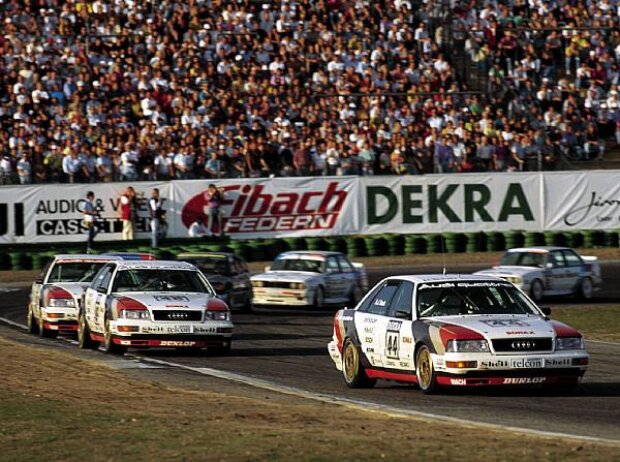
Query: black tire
<point>319,297</point>
<point>46,333</point>
<point>536,290</point>
<point>353,372</point>
<point>424,371</point>
<point>247,306</point>
<point>31,323</point>
<point>83,334</point>
<point>586,289</point>
<point>108,345</point>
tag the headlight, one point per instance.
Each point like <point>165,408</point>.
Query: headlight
<point>569,343</point>
<point>467,346</point>
<point>133,314</point>
<point>258,283</point>
<point>297,285</point>
<point>61,302</point>
<point>217,316</point>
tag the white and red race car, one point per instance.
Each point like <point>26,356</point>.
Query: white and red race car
<point>147,304</point>
<point>56,294</point>
<point>454,330</point>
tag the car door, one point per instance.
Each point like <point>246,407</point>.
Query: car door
<point>94,303</point>
<point>574,269</point>
<point>371,321</point>
<point>397,351</point>
<point>334,284</point>
<point>559,272</point>
<point>349,278</point>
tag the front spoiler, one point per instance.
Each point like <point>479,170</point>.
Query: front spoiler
<point>512,377</point>
<point>169,341</point>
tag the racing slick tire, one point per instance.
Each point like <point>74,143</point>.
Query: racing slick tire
<point>586,289</point>
<point>353,372</point>
<point>536,290</point>
<point>424,370</point>
<point>319,297</point>
<point>31,323</point>
<point>108,345</point>
<point>83,334</point>
<point>46,333</point>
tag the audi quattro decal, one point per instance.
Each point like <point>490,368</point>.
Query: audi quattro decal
<point>171,298</point>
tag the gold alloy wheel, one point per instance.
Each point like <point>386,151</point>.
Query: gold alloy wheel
<point>424,367</point>
<point>350,362</point>
<point>81,328</point>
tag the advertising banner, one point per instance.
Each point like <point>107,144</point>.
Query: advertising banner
<point>584,200</point>
<point>451,203</point>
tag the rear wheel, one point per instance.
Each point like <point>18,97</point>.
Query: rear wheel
<point>84,340</point>
<point>586,289</point>
<point>353,372</point>
<point>108,345</point>
<point>424,370</point>
<point>536,290</point>
<point>31,323</point>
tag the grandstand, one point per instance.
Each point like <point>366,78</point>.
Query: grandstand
<point>112,90</point>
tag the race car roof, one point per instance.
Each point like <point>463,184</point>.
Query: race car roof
<point>220,255</point>
<point>79,258</point>
<point>426,278</point>
<point>542,249</point>
<point>307,254</point>
<point>155,264</point>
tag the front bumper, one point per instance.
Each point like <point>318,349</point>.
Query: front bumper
<point>59,319</point>
<point>172,341</point>
<point>281,296</point>
<point>334,353</point>
<point>146,333</point>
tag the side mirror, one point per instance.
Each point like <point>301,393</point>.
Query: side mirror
<point>402,314</point>
<point>38,281</point>
<point>101,290</point>
<point>546,310</point>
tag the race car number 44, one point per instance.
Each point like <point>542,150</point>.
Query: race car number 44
<point>180,330</point>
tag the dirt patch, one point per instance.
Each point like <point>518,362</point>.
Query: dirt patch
<point>56,406</point>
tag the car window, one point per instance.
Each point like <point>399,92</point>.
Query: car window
<point>102,279</point>
<point>345,265</point>
<point>332,265</point>
<point>371,296</point>
<point>45,270</point>
<point>572,259</point>
<point>558,259</point>
<point>403,299</point>
<point>381,302</point>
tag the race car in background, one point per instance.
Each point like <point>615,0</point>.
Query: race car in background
<point>145,304</point>
<point>228,275</point>
<point>453,330</point>
<point>310,278</point>
<point>56,294</point>
<point>547,271</point>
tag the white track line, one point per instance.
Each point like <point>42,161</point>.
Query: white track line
<point>602,342</point>
<point>360,405</point>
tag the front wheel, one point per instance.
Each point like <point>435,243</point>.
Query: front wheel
<point>353,372</point>
<point>46,333</point>
<point>84,340</point>
<point>31,323</point>
<point>319,297</point>
<point>108,345</point>
<point>586,289</point>
<point>424,370</point>
<point>536,290</point>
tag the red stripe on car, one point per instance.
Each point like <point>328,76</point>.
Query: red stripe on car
<point>562,330</point>
<point>453,332</point>
<point>377,374</point>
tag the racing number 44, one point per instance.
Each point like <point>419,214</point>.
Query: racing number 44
<point>392,344</point>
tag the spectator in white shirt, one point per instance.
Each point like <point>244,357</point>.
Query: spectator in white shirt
<point>24,169</point>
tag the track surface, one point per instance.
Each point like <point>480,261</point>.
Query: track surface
<point>289,347</point>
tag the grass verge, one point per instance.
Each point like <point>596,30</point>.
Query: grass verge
<point>60,407</point>
<point>595,323</point>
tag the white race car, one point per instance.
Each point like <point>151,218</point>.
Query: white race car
<point>545,271</point>
<point>308,278</point>
<point>153,304</point>
<point>454,330</point>
<point>57,293</point>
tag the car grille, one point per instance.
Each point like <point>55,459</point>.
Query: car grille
<point>276,284</point>
<point>522,345</point>
<point>170,315</point>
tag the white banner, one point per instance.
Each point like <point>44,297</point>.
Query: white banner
<point>585,200</point>
<point>451,203</point>
<point>329,206</point>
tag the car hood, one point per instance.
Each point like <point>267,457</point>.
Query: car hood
<point>168,299</point>
<point>285,276</point>
<point>74,288</point>
<point>501,326</point>
<point>509,271</point>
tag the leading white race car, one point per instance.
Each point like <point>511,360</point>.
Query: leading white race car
<point>153,304</point>
<point>453,330</point>
<point>56,294</point>
<point>545,271</point>
<point>310,278</point>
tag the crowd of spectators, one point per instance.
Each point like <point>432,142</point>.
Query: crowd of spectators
<point>130,90</point>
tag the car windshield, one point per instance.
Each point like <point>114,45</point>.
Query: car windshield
<point>210,265</point>
<point>74,272</point>
<point>523,259</point>
<point>160,280</point>
<point>471,298</point>
<point>298,264</point>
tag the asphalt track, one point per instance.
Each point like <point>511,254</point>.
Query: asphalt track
<point>288,347</point>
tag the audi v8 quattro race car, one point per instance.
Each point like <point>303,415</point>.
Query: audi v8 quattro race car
<point>546,271</point>
<point>153,304</point>
<point>56,294</point>
<point>309,278</point>
<point>453,330</point>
